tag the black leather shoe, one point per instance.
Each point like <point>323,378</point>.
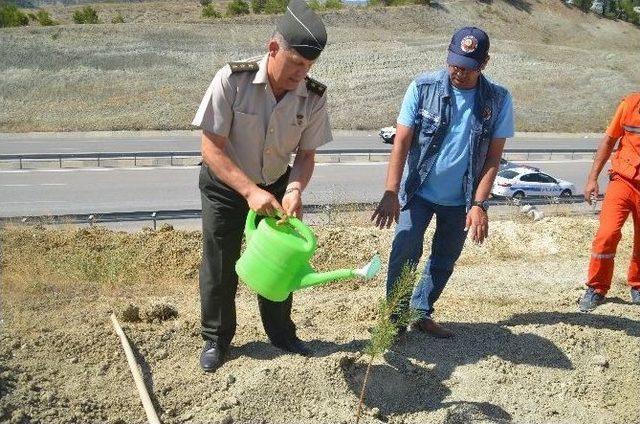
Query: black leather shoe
<point>293,345</point>
<point>212,356</point>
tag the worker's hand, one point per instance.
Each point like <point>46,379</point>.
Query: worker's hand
<point>388,210</point>
<point>591,191</point>
<point>477,224</point>
<point>292,203</point>
<point>264,203</point>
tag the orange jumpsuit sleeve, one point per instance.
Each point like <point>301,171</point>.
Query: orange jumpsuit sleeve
<point>615,129</point>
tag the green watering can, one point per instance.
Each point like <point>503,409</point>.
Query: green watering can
<point>276,259</point>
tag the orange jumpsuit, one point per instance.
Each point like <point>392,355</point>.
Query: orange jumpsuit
<point>621,199</point>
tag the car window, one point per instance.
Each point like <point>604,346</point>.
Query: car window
<point>548,179</point>
<point>508,174</point>
<point>530,178</point>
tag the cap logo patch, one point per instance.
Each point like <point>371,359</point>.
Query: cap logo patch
<point>469,44</point>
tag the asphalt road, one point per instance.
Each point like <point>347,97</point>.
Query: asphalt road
<point>79,191</point>
<point>190,140</point>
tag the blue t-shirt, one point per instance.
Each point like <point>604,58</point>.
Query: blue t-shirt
<point>444,184</point>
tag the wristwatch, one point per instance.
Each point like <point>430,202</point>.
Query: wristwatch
<point>483,204</point>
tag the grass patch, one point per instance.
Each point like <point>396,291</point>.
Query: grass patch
<point>86,15</point>
<point>11,16</point>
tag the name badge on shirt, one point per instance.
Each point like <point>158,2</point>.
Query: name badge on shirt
<point>486,113</point>
<point>429,115</point>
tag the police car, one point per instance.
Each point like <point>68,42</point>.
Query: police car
<point>518,183</point>
<point>388,134</point>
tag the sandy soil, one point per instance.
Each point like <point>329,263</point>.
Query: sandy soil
<point>521,352</point>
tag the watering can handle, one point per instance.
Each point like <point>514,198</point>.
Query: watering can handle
<point>304,231</point>
<point>250,224</point>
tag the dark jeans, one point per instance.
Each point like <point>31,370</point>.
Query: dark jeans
<point>446,247</point>
<point>224,212</point>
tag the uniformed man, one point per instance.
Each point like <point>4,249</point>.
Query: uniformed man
<point>253,116</point>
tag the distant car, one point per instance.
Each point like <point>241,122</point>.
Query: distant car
<point>388,134</point>
<point>518,183</point>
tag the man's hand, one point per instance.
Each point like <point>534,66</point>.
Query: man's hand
<point>264,203</point>
<point>388,210</point>
<point>591,190</point>
<point>292,203</point>
<point>477,224</point>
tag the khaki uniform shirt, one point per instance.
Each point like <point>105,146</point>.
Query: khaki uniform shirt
<point>262,133</point>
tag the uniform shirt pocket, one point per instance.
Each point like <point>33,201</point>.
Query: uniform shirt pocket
<point>246,129</point>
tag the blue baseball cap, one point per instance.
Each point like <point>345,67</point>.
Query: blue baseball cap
<point>469,48</point>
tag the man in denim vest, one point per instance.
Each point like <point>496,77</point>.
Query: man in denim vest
<point>451,131</point>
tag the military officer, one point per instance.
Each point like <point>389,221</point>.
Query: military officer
<point>254,115</point>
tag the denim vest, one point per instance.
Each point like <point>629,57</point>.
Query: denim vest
<point>431,126</point>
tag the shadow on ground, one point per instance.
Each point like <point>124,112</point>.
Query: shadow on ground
<point>603,322</point>
<point>405,385</point>
<point>266,351</point>
<point>522,5</point>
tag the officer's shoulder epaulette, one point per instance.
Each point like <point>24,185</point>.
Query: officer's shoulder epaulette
<point>243,66</point>
<point>315,86</point>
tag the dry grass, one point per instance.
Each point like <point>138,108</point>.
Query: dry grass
<point>567,70</point>
<point>38,256</point>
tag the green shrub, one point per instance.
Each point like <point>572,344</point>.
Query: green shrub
<point>86,15</point>
<point>333,4</point>
<point>423,2</point>
<point>117,19</point>
<point>209,11</point>
<point>238,7</point>
<point>630,15</point>
<point>205,3</point>
<point>11,16</point>
<point>315,5</point>
<point>257,6</point>
<point>275,6</point>
<point>43,17</point>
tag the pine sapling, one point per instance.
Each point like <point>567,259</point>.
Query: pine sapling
<point>393,312</point>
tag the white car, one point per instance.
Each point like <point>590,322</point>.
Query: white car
<point>518,183</point>
<point>388,134</point>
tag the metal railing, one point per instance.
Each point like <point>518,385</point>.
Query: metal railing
<point>177,157</point>
<point>170,215</point>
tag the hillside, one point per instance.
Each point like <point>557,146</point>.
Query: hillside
<point>566,69</point>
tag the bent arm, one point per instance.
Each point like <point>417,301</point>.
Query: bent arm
<point>607,144</point>
<point>302,169</point>
<point>490,169</point>
<point>214,156</point>
<point>399,151</point>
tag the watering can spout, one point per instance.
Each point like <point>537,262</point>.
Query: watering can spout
<point>312,278</point>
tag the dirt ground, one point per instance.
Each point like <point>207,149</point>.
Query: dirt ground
<point>521,353</point>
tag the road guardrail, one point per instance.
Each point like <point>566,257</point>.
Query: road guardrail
<point>192,158</point>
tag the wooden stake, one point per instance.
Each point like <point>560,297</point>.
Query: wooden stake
<point>152,417</point>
